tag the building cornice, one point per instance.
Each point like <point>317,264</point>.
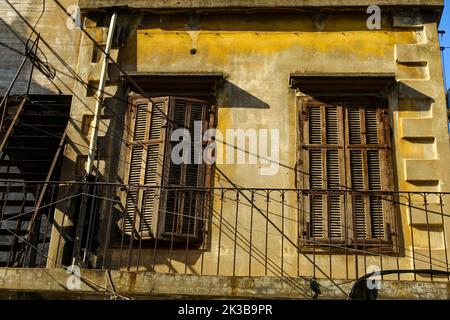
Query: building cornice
<point>252,4</point>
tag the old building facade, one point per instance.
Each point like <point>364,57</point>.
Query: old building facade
<point>329,133</point>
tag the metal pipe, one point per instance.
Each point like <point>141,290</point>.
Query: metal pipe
<point>99,102</point>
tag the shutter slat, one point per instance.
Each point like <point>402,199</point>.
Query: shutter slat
<point>315,126</point>
<point>376,205</point>
<point>333,172</point>
<point>332,125</point>
<point>140,126</point>
<point>354,125</point>
<point>376,216</point>
<point>316,216</point>
<point>334,209</point>
<point>371,126</point>
<point>356,168</point>
<point>374,169</point>
<point>360,217</point>
<point>157,121</point>
<point>315,169</point>
<point>133,179</point>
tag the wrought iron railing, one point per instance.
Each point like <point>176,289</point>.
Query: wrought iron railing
<point>227,231</point>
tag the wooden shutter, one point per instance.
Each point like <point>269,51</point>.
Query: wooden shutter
<point>323,144</point>
<point>146,154</point>
<point>346,147</point>
<point>367,149</point>
<point>183,207</point>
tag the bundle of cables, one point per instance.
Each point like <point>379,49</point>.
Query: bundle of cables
<point>42,65</point>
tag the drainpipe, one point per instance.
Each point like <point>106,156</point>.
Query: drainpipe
<point>76,258</point>
<point>98,104</point>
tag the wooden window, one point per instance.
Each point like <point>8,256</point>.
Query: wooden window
<point>172,210</point>
<point>346,165</point>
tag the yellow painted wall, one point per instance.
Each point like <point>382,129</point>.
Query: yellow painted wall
<point>256,54</point>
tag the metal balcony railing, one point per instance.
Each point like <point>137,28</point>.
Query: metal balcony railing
<point>287,233</point>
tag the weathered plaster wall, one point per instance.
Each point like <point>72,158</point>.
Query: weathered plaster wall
<point>256,54</point>
<point>53,29</point>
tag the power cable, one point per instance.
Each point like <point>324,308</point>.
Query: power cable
<point>115,294</point>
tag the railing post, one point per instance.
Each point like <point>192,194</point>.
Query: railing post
<point>79,233</point>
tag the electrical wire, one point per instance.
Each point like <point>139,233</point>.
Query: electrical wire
<point>67,268</point>
<point>321,243</point>
<point>61,6</point>
<point>168,119</point>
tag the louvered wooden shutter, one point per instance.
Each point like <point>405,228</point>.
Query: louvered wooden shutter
<point>323,143</point>
<point>367,150</point>
<point>184,206</point>
<point>145,166</point>
<point>346,148</point>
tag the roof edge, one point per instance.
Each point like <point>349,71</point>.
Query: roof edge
<point>250,4</point>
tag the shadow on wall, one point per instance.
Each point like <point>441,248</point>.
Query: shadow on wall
<point>12,52</point>
<point>409,99</point>
<point>235,97</point>
<point>260,22</point>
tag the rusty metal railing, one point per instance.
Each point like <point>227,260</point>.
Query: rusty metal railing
<point>231,231</point>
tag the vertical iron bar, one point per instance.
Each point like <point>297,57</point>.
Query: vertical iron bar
<point>235,233</point>
<point>412,235</point>
<point>61,230</point>
<point>428,233</point>
<point>158,225</point>
<point>282,231</point>
<point>172,235</point>
<point>112,191</point>
<point>189,217</point>
<point>380,240</point>
<point>394,232</point>
<point>267,231</point>
<point>251,233</point>
<point>35,231</point>
<point>298,227</point>
<point>122,231</point>
<point>220,230</point>
<point>203,223</point>
<point>50,210</point>
<point>133,226</point>
<point>445,239</point>
<point>140,231</point>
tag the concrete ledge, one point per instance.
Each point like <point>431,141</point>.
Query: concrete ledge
<point>417,128</point>
<point>422,170</point>
<point>412,53</point>
<point>418,215</point>
<point>53,282</point>
<point>189,4</point>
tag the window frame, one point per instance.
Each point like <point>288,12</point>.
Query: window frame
<point>347,241</point>
<point>157,225</point>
